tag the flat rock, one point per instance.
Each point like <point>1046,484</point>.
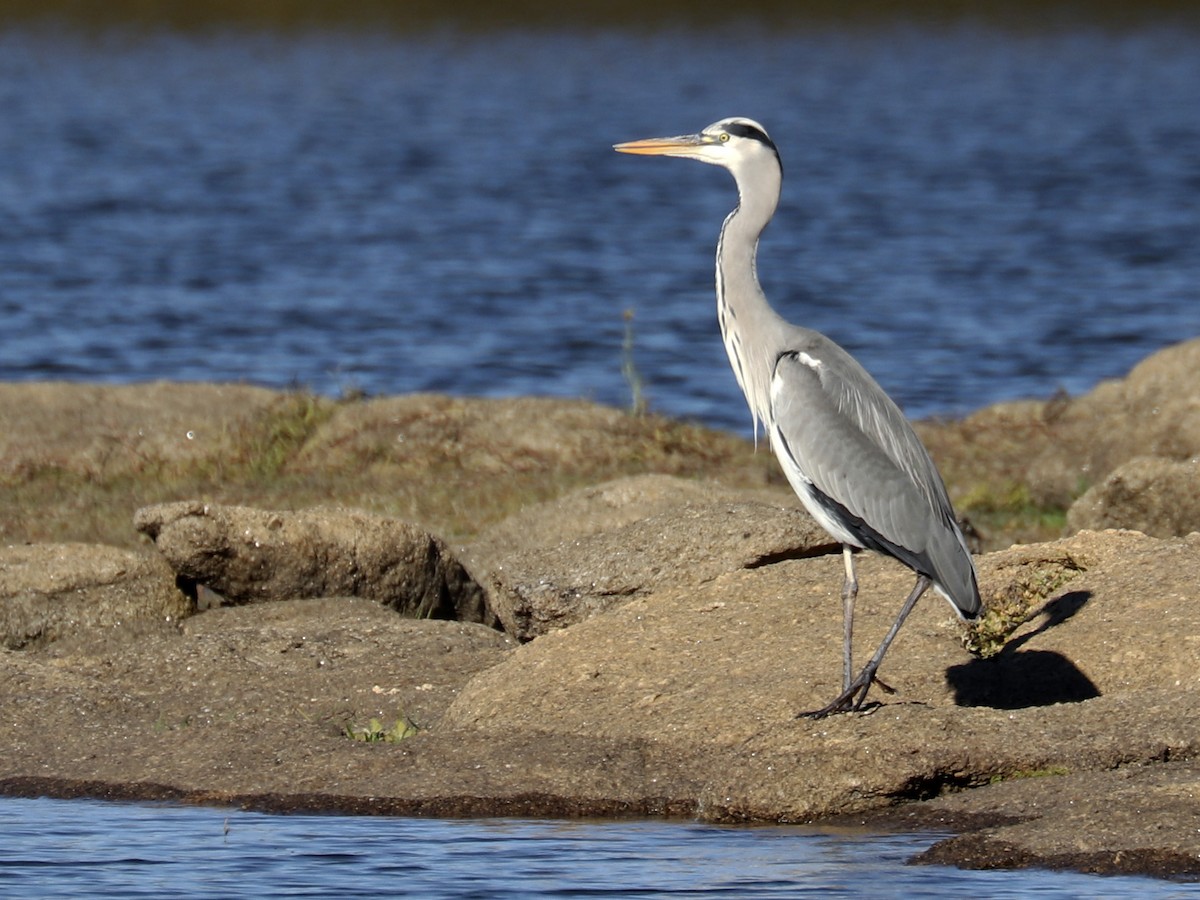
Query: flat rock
<point>48,591</point>
<point>473,439</point>
<point>1160,497</point>
<point>247,555</point>
<point>727,664</point>
<point>559,563</point>
<point>253,698</point>
<point>603,508</point>
<point>482,436</point>
<point>1099,821</point>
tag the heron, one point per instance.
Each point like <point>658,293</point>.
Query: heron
<point>845,447</point>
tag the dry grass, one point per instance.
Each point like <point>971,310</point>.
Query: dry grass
<point>452,465</point>
<point>77,461</point>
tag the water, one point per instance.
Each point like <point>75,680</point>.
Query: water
<point>94,849</point>
<point>977,214</point>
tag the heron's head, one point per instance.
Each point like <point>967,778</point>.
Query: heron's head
<point>732,143</point>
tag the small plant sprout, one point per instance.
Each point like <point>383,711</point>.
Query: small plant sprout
<point>375,731</point>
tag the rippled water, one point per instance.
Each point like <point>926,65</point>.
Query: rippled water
<point>976,214</point>
<point>93,849</point>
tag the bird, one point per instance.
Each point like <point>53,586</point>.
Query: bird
<point>845,447</point>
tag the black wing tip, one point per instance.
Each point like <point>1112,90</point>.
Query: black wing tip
<point>971,615</point>
<point>970,611</point>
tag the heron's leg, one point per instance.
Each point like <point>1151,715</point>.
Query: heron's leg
<point>849,593</point>
<point>852,698</point>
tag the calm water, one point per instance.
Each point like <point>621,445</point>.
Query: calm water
<point>976,214</point>
<point>56,848</point>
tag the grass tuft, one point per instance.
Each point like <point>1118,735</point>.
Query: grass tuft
<point>296,417</point>
<point>375,731</point>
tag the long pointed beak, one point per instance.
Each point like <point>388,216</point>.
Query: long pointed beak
<point>666,146</point>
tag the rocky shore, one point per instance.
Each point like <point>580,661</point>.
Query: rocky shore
<point>436,606</point>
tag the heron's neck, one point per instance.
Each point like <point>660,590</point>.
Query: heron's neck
<point>750,328</point>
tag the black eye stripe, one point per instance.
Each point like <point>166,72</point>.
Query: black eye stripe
<point>749,132</point>
<point>742,130</point>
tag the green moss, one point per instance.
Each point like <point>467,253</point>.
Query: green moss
<point>1011,510</point>
<point>1031,584</point>
<point>1013,499</point>
<point>1048,772</point>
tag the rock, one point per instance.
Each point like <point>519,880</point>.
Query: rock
<point>372,662</point>
<point>597,509</point>
<point>79,458</point>
<point>1157,406</point>
<point>247,555</point>
<point>723,667</point>
<point>254,697</point>
<point>1090,822</point>
<point>1160,497</point>
<point>679,699</point>
<point>1045,454</point>
<point>559,563</point>
<point>480,435</point>
<point>48,591</point>
<point>678,702</point>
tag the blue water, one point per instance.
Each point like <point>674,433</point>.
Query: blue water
<point>976,214</point>
<point>95,849</point>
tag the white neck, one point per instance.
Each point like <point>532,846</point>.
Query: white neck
<point>751,329</point>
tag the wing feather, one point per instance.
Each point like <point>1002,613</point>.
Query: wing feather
<point>851,445</point>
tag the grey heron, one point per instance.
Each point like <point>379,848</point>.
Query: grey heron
<point>846,448</point>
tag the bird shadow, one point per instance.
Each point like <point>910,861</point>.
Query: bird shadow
<point>1015,678</point>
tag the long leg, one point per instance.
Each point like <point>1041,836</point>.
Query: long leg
<point>853,696</point>
<point>849,593</point>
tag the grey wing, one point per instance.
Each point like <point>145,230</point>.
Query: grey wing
<point>863,464</point>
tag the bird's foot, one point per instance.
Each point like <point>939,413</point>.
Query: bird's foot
<point>851,699</point>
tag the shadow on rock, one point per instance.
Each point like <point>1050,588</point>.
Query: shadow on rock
<point>1016,678</point>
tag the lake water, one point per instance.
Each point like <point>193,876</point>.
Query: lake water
<point>977,214</point>
<point>95,849</point>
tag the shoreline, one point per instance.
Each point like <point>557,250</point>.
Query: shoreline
<point>622,617</point>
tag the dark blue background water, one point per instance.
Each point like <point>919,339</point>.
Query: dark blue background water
<point>976,214</point>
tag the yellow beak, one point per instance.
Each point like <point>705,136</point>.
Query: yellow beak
<point>659,146</point>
